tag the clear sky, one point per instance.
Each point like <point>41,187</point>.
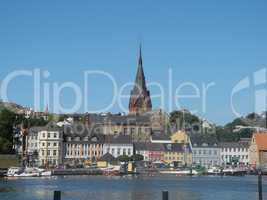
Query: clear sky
<point>204,41</point>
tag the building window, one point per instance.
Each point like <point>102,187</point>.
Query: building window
<point>129,151</point>
<point>48,144</point>
<point>43,144</point>
<point>55,144</point>
<point>54,152</point>
<point>43,135</point>
<point>48,152</point>
<point>118,151</point>
<point>55,135</point>
<point>132,130</point>
<point>48,135</point>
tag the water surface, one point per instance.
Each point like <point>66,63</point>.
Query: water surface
<point>139,188</point>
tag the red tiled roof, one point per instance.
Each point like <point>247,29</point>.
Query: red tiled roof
<point>261,141</point>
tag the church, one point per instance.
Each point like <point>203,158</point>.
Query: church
<point>141,121</point>
<point>140,101</point>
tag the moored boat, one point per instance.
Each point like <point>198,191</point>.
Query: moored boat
<point>179,172</point>
<point>214,171</point>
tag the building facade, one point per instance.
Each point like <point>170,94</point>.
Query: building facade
<point>178,154</point>
<point>50,146</point>
<point>81,149</point>
<point>258,150</point>
<point>235,153</point>
<point>206,155</point>
<point>118,145</point>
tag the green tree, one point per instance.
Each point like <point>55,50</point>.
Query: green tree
<point>137,157</point>
<point>7,120</point>
<point>124,158</point>
<point>5,146</point>
<point>179,119</point>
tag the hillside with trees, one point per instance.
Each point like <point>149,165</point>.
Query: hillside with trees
<point>242,127</point>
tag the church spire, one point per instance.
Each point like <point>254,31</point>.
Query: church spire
<point>140,81</point>
<point>140,61</point>
<point>140,101</point>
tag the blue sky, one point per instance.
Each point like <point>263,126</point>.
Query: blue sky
<point>201,41</point>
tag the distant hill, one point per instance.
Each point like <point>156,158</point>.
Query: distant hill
<point>18,109</point>
<point>242,127</point>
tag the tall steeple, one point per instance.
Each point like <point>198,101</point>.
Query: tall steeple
<point>140,101</point>
<point>140,76</point>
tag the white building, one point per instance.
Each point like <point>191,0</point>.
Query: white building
<point>32,146</point>
<point>206,154</point>
<point>50,146</point>
<point>118,145</point>
<point>235,153</point>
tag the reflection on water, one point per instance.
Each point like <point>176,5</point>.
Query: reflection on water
<point>140,188</point>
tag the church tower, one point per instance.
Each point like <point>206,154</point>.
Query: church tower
<point>140,101</point>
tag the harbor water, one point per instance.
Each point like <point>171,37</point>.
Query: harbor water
<point>133,188</point>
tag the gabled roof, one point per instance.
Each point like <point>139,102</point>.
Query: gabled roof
<point>118,139</point>
<point>35,129</point>
<point>261,141</point>
<point>175,147</point>
<point>49,127</point>
<point>149,147</point>
<point>159,135</point>
<point>108,158</point>
<point>78,129</point>
<point>234,144</point>
<point>200,141</point>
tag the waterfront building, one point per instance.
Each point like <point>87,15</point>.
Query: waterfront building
<point>235,153</point>
<point>258,150</point>
<point>140,101</point>
<point>83,147</point>
<point>50,145</point>
<point>179,154</point>
<point>152,152</point>
<point>118,145</point>
<point>32,145</point>
<point>205,153</point>
<point>141,148</point>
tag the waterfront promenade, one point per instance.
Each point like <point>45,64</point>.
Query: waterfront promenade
<point>128,188</point>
